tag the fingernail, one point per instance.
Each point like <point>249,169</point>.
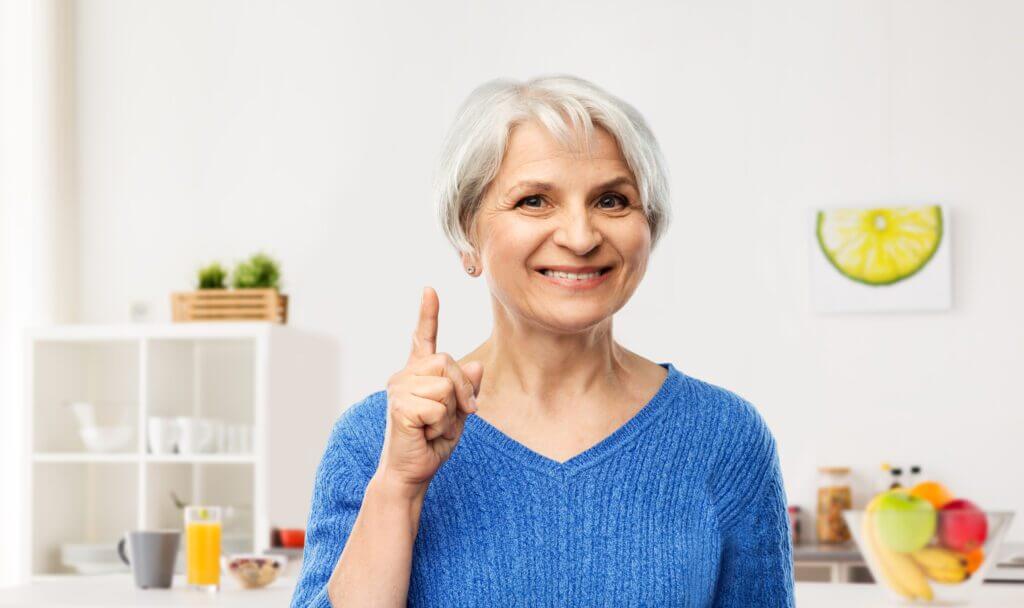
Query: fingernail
<point>472,403</point>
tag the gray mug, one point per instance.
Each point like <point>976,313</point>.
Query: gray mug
<point>153,553</point>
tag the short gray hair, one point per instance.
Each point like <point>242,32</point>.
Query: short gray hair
<point>476,143</point>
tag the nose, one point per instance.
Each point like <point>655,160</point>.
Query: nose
<point>577,232</point>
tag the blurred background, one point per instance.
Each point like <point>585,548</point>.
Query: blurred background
<point>143,140</point>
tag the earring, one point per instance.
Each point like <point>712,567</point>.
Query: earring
<point>471,269</point>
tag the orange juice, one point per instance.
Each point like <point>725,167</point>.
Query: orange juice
<point>202,553</point>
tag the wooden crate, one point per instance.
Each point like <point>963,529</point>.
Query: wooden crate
<point>230,305</point>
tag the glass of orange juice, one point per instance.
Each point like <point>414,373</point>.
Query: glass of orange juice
<point>202,547</point>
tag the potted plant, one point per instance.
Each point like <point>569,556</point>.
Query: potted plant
<point>255,296</point>
<point>212,276</point>
<point>258,272</point>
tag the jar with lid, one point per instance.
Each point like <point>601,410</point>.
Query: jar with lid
<point>834,497</point>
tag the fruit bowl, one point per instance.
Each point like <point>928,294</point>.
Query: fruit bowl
<point>920,554</point>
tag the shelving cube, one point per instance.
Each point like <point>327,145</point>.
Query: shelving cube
<point>280,380</point>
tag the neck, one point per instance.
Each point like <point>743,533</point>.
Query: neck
<point>547,368</point>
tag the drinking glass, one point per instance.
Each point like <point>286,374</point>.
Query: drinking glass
<point>202,547</point>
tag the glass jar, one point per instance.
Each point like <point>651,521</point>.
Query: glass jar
<point>834,497</point>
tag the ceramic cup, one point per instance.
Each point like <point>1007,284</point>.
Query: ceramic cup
<point>195,435</point>
<point>152,555</point>
<point>163,435</point>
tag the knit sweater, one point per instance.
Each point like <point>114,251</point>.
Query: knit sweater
<point>683,505</point>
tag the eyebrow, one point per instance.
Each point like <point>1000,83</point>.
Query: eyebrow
<point>622,180</point>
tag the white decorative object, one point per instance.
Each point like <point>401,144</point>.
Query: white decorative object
<point>105,438</point>
<point>109,433</point>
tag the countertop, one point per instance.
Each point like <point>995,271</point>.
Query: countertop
<point>117,590</point>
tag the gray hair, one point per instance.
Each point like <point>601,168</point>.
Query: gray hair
<point>475,145</point>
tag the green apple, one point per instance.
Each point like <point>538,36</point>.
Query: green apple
<point>905,523</point>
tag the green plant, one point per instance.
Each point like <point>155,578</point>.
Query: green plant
<point>259,271</point>
<point>212,276</point>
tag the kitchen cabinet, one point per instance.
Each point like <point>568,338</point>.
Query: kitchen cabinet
<point>834,563</point>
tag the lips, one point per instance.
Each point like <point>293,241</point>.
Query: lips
<point>576,286</point>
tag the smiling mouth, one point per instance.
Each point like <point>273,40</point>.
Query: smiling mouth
<point>578,276</point>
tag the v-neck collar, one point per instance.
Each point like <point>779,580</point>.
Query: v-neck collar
<point>622,435</point>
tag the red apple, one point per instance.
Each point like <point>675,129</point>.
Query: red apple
<point>962,525</point>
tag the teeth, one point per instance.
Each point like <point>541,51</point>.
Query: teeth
<point>569,275</point>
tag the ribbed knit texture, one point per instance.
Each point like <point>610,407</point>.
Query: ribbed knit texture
<point>681,506</point>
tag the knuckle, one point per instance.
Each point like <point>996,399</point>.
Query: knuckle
<point>436,413</point>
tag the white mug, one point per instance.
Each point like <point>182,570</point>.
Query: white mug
<point>163,435</point>
<point>196,435</point>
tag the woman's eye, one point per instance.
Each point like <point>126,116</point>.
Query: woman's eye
<point>536,199</point>
<point>614,198</point>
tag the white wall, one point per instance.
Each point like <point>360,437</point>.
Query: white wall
<point>209,130</point>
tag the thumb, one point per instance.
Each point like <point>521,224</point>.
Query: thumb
<point>474,370</point>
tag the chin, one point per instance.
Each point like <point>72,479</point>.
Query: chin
<point>574,318</point>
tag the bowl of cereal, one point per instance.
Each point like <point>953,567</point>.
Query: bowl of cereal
<point>254,571</point>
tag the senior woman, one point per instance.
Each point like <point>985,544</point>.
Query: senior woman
<point>551,466</point>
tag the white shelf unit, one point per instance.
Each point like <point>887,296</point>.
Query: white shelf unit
<point>280,380</point>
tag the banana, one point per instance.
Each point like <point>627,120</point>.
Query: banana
<point>891,580</point>
<point>942,565</point>
<point>900,571</point>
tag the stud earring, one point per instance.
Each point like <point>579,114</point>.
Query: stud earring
<point>471,269</point>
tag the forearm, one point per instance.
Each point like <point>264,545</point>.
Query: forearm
<point>375,565</point>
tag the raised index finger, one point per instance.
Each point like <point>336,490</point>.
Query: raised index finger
<point>424,339</point>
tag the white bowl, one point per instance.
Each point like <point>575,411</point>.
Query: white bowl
<point>105,438</point>
<point>92,558</point>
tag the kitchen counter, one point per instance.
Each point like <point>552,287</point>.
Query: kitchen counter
<point>117,590</point>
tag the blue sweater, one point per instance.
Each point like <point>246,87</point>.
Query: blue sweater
<point>681,506</point>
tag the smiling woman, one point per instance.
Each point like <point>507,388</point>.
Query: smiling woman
<point>584,474</point>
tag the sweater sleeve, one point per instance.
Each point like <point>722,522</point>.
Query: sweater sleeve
<point>337,497</point>
<point>756,565</point>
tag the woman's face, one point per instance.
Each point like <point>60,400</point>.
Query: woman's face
<point>551,207</point>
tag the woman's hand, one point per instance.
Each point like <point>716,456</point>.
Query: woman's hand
<point>428,402</point>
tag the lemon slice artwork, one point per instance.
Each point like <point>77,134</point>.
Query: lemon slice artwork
<point>880,246</point>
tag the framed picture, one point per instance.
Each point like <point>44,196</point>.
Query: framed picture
<point>869,259</point>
